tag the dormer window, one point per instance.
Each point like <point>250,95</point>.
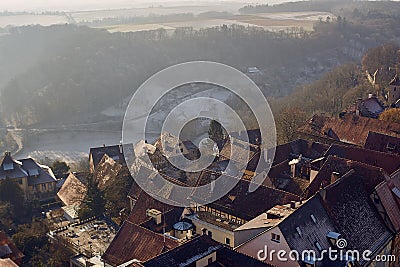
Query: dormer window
<point>333,238</point>
<point>318,246</point>
<point>298,231</point>
<point>276,238</point>
<point>396,191</point>
<point>8,166</point>
<point>313,218</point>
<point>391,147</point>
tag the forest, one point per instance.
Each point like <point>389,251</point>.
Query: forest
<point>69,74</point>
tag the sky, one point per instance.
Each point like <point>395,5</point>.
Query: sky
<point>75,5</point>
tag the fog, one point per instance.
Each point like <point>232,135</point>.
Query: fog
<point>75,5</point>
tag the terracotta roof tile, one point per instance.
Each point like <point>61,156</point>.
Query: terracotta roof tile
<point>243,204</point>
<point>199,248</point>
<point>382,143</point>
<point>114,152</point>
<point>15,255</point>
<point>349,129</point>
<point>74,189</point>
<point>387,161</point>
<point>135,242</point>
<point>388,200</point>
<point>332,164</point>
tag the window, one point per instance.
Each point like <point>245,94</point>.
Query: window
<point>227,241</point>
<point>43,186</point>
<point>20,181</point>
<point>376,199</point>
<point>319,247</point>
<point>298,231</point>
<point>210,234</point>
<point>276,238</point>
<point>210,260</point>
<point>313,218</point>
<point>391,147</point>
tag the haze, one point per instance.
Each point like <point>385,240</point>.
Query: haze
<point>75,5</point>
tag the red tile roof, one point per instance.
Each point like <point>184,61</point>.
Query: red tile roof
<point>388,200</point>
<point>382,143</point>
<point>74,189</point>
<point>387,161</point>
<point>135,242</point>
<point>241,203</point>
<point>375,175</point>
<point>143,203</point>
<point>15,255</point>
<point>348,129</point>
<point>7,263</point>
<point>200,248</point>
<point>308,149</point>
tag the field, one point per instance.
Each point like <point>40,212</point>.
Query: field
<point>268,21</point>
<point>21,20</point>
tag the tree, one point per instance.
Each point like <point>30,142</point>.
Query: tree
<point>60,167</point>
<point>115,194</point>
<point>287,123</point>
<point>11,193</point>
<point>94,202</point>
<point>216,131</point>
<point>33,241</point>
<point>391,115</point>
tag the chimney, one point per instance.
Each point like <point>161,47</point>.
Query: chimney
<point>273,215</point>
<point>370,95</point>
<point>323,194</point>
<point>334,177</point>
<point>358,107</point>
<point>104,145</point>
<point>212,186</point>
<point>121,149</point>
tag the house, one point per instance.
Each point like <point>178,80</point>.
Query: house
<point>351,208</point>
<point>9,252</point>
<point>370,107</point>
<point>387,193</point>
<point>349,128</point>
<point>334,167</point>
<point>383,143</point>
<point>7,263</point>
<point>81,260</point>
<point>202,251</point>
<point>173,146</point>
<point>305,148</point>
<point>298,227</point>
<point>220,218</point>
<point>72,193</point>
<point>137,243</point>
<point>393,92</point>
<point>387,161</point>
<point>344,210</point>
<point>116,152</point>
<point>290,176</point>
<point>36,181</point>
